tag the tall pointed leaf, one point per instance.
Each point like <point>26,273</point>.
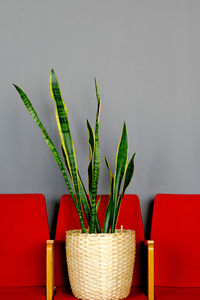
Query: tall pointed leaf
<point>121,160</point>
<point>96,164</point>
<point>91,141</point>
<point>98,228</point>
<point>128,177</point>
<point>108,215</point>
<point>65,134</point>
<point>87,205</point>
<point>49,142</point>
<point>129,173</point>
<point>65,160</point>
<point>98,203</point>
<point>83,194</point>
<point>84,200</point>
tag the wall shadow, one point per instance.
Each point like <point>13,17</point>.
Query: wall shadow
<point>53,207</point>
<point>147,228</point>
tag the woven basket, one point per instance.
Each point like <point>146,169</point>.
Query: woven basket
<point>100,266</point>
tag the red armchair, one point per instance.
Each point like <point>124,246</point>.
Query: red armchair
<point>130,217</point>
<point>176,231</point>
<point>23,234</point>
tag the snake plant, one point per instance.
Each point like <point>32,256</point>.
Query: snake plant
<point>124,171</point>
<point>84,201</point>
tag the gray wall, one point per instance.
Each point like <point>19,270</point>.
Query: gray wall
<point>145,55</point>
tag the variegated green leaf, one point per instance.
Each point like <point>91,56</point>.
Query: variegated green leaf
<point>128,177</point>
<point>83,194</point>
<point>98,203</point>
<point>65,134</point>
<point>84,200</point>
<point>65,160</point>
<point>96,164</point>
<point>108,215</point>
<point>121,160</point>
<point>129,173</point>
<point>49,142</point>
<point>91,141</point>
<point>98,228</point>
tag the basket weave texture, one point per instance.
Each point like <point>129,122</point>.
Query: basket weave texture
<point>100,266</point>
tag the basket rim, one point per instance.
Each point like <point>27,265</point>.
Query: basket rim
<point>118,232</point>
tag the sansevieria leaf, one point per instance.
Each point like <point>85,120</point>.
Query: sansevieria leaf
<point>65,135</point>
<point>83,194</point>
<point>91,141</point>
<point>128,177</point>
<point>49,142</point>
<point>121,160</point>
<point>91,148</point>
<point>108,216</point>
<point>98,203</point>
<point>84,200</point>
<point>129,173</point>
<point>65,160</point>
<point>98,228</point>
<point>96,164</point>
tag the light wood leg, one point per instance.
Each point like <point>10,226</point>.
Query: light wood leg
<point>49,269</point>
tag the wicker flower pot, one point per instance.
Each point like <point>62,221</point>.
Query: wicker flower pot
<point>100,266</point>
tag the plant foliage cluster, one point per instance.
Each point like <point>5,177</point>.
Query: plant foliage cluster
<point>86,202</point>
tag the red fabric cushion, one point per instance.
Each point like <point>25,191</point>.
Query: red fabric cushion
<point>23,293</point>
<point>63,294</point>
<point>23,234</point>
<point>137,294</point>
<point>130,217</point>
<point>175,230</point>
<point>165,293</point>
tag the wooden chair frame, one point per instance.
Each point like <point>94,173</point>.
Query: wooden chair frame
<point>150,269</point>
<point>49,269</point>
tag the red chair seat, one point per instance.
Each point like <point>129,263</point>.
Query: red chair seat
<point>22,293</point>
<point>130,217</point>
<point>137,293</point>
<point>167,293</point>
<point>62,294</point>
<point>23,234</point>
<point>175,231</point>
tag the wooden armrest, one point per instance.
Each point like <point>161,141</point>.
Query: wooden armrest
<point>150,279</point>
<point>49,269</point>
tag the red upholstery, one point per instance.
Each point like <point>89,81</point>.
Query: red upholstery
<point>130,217</point>
<point>166,293</point>
<point>22,293</point>
<point>176,232</point>
<point>23,234</point>
<point>63,294</point>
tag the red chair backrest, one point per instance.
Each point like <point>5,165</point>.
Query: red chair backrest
<point>23,234</point>
<point>129,217</point>
<point>176,232</point>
